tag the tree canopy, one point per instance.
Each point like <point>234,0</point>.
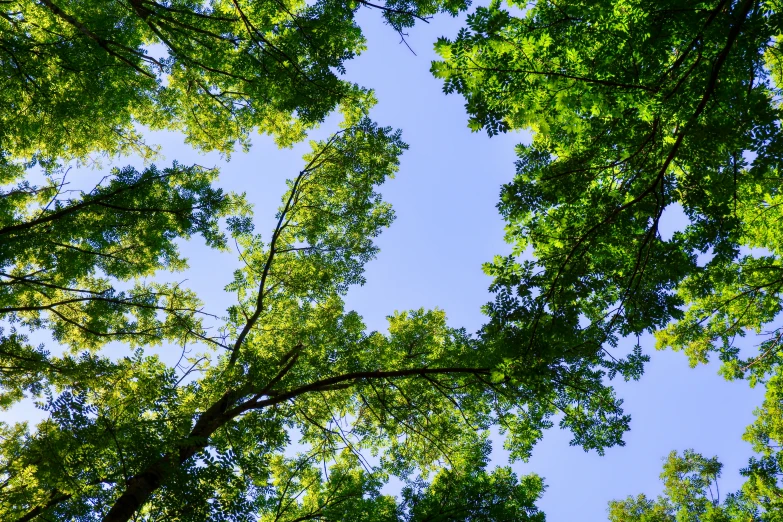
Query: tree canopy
<point>635,107</point>
<point>80,77</point>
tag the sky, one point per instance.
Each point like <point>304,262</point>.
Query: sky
<point>446,227</point>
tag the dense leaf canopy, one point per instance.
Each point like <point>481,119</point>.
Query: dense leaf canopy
<point>79,77</point>
<point>635,107</point>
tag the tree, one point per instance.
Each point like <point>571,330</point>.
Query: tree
<point>79,77</point>
<point>636,108</point>
<point>691,494</point>
<point>130,436</point>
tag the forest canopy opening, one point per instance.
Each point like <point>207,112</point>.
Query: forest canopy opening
<point>634,108</point>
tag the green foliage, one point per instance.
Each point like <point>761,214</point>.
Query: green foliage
<point>78,77</point>
<point>469,492</point>
<point>63,255</point>
<point>463,492</point>
<point>691,494</point>
<point>131,436</point>
<point>637,108</point>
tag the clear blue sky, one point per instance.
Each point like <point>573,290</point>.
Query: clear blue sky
<point>446,227</point>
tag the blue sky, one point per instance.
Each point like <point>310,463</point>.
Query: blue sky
<point>446,227</point>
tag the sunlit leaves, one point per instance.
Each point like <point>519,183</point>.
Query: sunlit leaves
<point>639,112</point>
<point>79,77</point>
<point>691,494</point>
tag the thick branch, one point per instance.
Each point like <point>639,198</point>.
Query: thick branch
<point>359,376</point>
<point>55,499</point>
<point>141,486</point>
